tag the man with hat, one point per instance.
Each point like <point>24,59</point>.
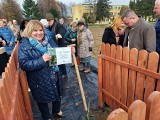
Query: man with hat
<point>52,24</point>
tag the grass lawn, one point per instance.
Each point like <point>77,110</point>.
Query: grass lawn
<point>97,32</point>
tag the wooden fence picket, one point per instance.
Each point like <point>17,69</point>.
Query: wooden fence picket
<point>151,81</point>
<point>125,70</point>
<point>107,72</point>
<point>118,76</point>
<point>137,110</point>
<point>112,74</point>
<point>153,106</point>
<point>118,114</point>
<point>100,99</point>
<point>142,62</point>
<point>132,76</point>
<point>103,69</point>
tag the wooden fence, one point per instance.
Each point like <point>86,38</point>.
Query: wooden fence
<point>126,75</point>
<point>14,98</point>
<point>139,110</point>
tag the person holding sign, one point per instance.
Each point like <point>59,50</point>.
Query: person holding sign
<point>44,80</point>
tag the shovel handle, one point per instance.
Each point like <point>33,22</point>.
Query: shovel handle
<point>79,81</point>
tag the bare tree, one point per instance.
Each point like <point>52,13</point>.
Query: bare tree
<point>11,10</point>
<point>46,5</point>
<point>71,4</point>
<point>63,10</point>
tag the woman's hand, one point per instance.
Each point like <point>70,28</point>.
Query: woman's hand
<point>46,57</point>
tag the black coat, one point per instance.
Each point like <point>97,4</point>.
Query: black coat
<point>60,30</point>
<point>109,36</point>
<point>2,39</point>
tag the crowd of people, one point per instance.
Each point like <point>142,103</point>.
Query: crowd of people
<point>35,37</point>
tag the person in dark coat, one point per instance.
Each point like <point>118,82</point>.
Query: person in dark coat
<point>52,24</point>
<point>71,35</point>
<point>44,80</point>
<point>157,25</point>
<point>50,35</point>
<point>22,27</point>
<point>2,41</point>
<point>3,55</point>
<point>60,33</point>
<point>114,33</point>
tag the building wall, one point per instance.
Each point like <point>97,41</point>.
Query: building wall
<point>115,10</point>
<point>79,9</point>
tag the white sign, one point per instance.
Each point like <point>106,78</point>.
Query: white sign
<point>63,55</point>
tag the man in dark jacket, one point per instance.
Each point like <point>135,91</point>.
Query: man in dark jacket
<point>157,25</point>
<point>60,34</point>
<point>139,34</point>
<point>52,24</point>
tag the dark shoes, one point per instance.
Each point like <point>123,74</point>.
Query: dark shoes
<point>59,116</point>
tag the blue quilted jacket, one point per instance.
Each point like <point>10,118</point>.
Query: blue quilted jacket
<point>157,27</point>
<point>50,35</point>
<point>7,33</point>
<point>41,77</point>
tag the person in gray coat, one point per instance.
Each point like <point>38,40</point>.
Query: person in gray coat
<point>85,43</point>
<point>139,34</point>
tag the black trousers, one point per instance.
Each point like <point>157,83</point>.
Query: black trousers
<point>63,69</point>
<point>44,109</point>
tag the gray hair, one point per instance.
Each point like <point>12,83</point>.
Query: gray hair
<point>44,22</point>
<point>128,13</point>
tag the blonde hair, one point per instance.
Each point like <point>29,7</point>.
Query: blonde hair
<point>74,24</point>
<point>116,24</point>
<point>31,26</point>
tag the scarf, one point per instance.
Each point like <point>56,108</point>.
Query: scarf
<point>42,48</point>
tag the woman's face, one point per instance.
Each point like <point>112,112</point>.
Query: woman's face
<point>1,24</point>
<point>121,29</point>
<point>38,33</point>
<point>74,27</point>
<point>80,27</point>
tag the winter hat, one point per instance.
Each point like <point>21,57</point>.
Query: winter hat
<point>81,21</point>
<point>44,22</point>
<point>49,16</point>
<point>14,21</point>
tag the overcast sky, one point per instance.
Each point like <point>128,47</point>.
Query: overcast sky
<point>114,2</point>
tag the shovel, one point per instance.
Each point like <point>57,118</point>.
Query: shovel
<point>87,117</point>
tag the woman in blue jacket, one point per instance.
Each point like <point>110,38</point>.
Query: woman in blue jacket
<point>44,80</point>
